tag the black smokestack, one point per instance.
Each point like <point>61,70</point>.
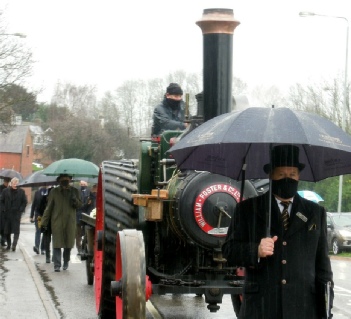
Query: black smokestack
<point>217,27</point>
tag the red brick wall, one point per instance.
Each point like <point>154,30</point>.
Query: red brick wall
<point>10,161</point>
<point>20,162</point>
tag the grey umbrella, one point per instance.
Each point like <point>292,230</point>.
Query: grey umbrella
<point>10,173</point>
<point>38,179</point>
<point>238,144</point>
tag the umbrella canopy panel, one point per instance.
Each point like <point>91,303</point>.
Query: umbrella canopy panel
<point>224,144</point>
<point>38,179</point>
<point>10,173</point>
<point>73,167</point>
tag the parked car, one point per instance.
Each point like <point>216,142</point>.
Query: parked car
<point>339,232</point>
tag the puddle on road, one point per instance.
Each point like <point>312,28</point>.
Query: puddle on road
<point>42,273</point>
<point>46,280</point>
<point>3,269</point>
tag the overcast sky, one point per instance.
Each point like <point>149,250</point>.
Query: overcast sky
<point>106,42</point>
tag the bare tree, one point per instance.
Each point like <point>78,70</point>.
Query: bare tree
<point>80,100</point>
<point>325,98</point>
<point>16,64</point>
<point>108,108</point>
<point>129,103</point>
<point>239,86</point>
<point>136,99</point>
<point>268,96</point>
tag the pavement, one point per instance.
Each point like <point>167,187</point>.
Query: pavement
<point>22,291</point>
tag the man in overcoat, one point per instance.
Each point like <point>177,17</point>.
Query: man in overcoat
<point>60,212</point>
<point>286,274</point>
<point>13,205</point>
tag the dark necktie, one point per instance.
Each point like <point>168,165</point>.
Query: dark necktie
<point>285,214</point>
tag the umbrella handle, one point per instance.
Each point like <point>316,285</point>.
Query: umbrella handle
<point>243,170</point>
<point>269,212</point>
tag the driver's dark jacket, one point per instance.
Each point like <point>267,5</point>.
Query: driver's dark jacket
<point>166,118</point>
<point>289,284</point>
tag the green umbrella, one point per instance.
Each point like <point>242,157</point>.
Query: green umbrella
<point>73,167</point>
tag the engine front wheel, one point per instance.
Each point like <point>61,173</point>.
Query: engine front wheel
<point>130,285</point>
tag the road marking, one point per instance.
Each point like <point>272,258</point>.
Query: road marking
<point>338,289</point>
<point>153,311</point>
<point>76,260</point>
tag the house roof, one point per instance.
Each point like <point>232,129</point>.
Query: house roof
<point>36,129</point>
<point>13,141</point>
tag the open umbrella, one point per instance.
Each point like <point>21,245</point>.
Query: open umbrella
<point>73,167</point>
<point>38,179</point>
<point>10,173</point>
<point>229,143</point>
<point>238,144</point>
<point>310,195</point>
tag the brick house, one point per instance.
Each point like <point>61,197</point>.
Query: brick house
<point>16,152</point>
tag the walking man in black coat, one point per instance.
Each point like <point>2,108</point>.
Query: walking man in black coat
<point>13,204</point>
<point>286,274</point>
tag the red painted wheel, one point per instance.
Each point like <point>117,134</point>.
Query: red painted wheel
<point>130,277</point>
<point>98,252</point>
<point>114,212</point>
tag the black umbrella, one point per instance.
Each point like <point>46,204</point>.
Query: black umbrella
<point>230,142</point>
<point>10,173</point>
<point>238,144</point>
<point>38,179</point>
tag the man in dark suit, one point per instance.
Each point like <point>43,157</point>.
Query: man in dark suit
<point>286,274</point>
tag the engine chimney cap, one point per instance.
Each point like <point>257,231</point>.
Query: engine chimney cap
<point>218,20</point>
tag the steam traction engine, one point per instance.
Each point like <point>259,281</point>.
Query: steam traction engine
<point>158,229</point>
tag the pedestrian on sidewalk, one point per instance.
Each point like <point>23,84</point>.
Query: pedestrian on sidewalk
<point>35,215</point>
<point>47,232</point>
<point>4,185</point>
<point>60,212</point>
<point>13,205</point>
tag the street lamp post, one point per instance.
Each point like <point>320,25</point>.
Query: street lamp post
<point>17,34</point>
<point>343,114</point>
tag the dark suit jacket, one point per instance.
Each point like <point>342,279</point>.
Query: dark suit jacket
<point>289,284</point>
